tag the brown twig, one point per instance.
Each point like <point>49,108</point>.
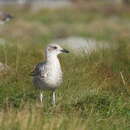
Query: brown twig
<point>123,80</point>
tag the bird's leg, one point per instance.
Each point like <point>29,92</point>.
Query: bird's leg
<point>53,98</point>
<point>41,96</point>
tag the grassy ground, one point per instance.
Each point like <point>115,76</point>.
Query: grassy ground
<point>92,96</point>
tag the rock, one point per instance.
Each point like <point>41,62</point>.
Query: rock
<point>82,45</point>
<point>3,68</point>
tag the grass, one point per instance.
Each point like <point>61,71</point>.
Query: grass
<point>92,96</point>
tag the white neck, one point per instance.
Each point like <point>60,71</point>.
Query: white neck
<point>54,74</point>
<point>52,58</point>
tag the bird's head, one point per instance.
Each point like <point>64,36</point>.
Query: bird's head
<point>55,49</point>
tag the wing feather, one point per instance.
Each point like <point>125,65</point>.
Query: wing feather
<point>39,70</point>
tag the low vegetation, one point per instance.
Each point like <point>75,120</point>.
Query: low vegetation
<point>95,93</point>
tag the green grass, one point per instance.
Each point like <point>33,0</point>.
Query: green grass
<point>92,96</point>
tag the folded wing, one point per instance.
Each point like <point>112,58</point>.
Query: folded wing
<point>39,70</point>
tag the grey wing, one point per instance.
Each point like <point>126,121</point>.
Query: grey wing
<point>39,70</point>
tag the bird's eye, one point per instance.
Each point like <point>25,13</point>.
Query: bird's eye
<point>55,47</point>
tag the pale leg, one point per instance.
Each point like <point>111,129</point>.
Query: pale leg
<point>53,98</point>
<point>41,97</point>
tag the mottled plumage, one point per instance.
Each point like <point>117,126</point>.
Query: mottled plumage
<point>48,74</point>
<point>5,17</point>
<point>38,69</point>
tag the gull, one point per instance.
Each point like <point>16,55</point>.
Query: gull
<point>48,74</point>
<point>5,17</point>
